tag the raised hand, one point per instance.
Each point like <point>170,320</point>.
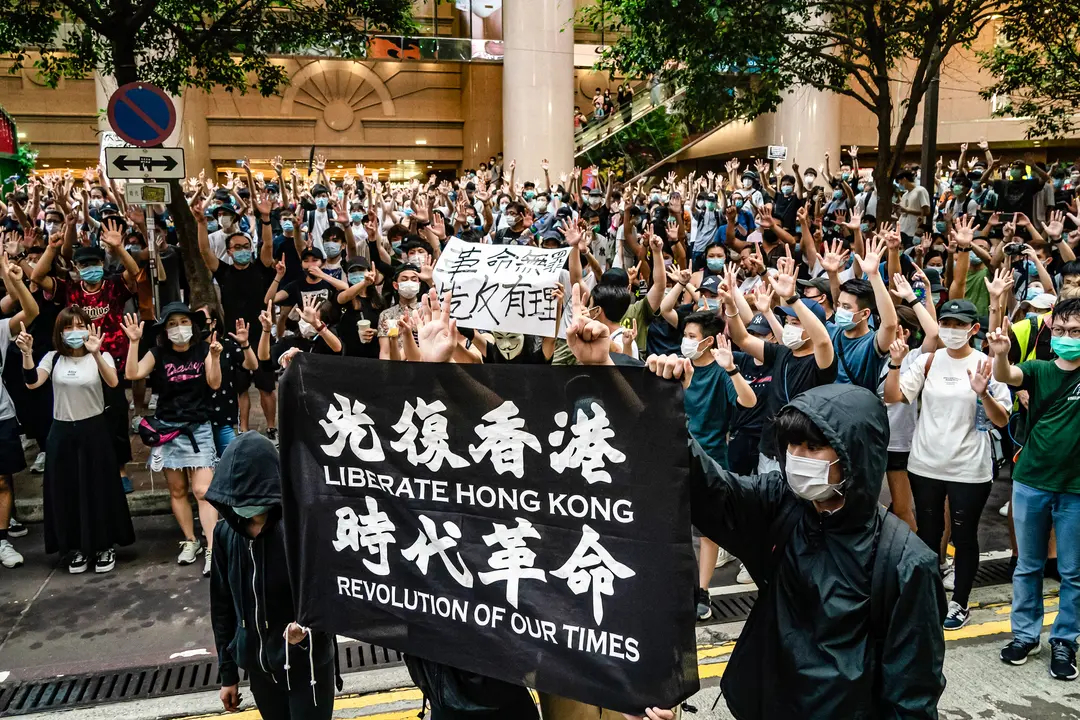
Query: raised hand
<point>763,299</point>
<point>242,332</point>
<point>310,311</point>
<point>133,327</point>
<point>215,346</point>
<point>266,317</point>
<point>875,249</point>
<point>835,257</point>
<point>999,340</point>
<point>964,231</point>
<point>904,291</point>
<point>783,282</point>
<point>1001,284</point>
<point>980,379</point>
<point>1056,226</point>
<point>438,334</point>
<point>93,339</point>
<point>722,352</point>
<point>898,349</point>
<point>589,339</point>
<point>25,341</point>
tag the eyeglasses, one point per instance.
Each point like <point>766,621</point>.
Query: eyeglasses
<point>1074,333</point>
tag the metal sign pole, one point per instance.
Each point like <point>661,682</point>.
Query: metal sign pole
<point>151,244</point>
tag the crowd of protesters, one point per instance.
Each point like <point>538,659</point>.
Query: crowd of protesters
<point>756,286</point>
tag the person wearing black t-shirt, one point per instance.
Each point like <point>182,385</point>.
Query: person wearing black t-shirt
<point>184,369</point>
<point>314,284</point>
<point>515,225</point>
<point>237,356</point>
<point>746,423</point>
<point>243,286</point>
<point>1017,195</point>
<point>805,359</point>
<point>360,305</point>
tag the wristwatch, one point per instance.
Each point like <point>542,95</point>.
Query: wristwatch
<point>909,303</point>
<point>893,367</point>
<point>791,300</point>
<point>733,372</point>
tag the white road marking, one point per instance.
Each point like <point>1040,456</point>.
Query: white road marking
<point>189,653</point>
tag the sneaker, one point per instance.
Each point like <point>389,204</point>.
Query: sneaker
<point>723,558</point>
<point>39,464</point>
<point>152,405</point>
<point>9,556</point>
<point>1003,511</point>
<point>957,618</point>
<point>16,529</point>
<point>77,563</point>
<point>27,443</point>
<point>125,482</point>
<point>189,550</point>
<point>206,563</point>
<point>743,578</point>
<point>1018,651</point>
<point>704,604</point>
<point>105,561</point>
<point>949,581</point>
<point>271,434</point>
<point>1062,660</point>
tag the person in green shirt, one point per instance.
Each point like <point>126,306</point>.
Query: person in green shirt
<point>971,266</point>
<point>1046,490</point>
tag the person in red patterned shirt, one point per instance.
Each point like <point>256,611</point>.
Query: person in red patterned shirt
<point>102,299</point>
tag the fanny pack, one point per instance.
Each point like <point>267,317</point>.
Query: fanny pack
<point>154,432</point>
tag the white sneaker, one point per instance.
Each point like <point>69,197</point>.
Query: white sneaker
<point>743,578</point>
<point>949,581</point>
<point>9,556</point>
<point>206,563</point>
<point>189,550</point>
<point>152,405</point>
<point>39,464</point>
<point>16,529</point>
<point>1003,511</point>
<point>724,558</point>
<point>27,443</point>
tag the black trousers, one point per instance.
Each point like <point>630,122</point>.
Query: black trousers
<point>966,503</point>
<point>276,702</point>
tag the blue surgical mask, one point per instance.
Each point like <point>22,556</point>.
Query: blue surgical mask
<point>241,257</point>
<point>940,226</point>
<point>837,194</point>
<point>322,202</point>
<point>786,190</point>
<point>355,278</point>
<point>212,226</point>
<point>1032,293</point>
<point>844,319</point>
<point>958,189</point>
<point>712,304</point>
<point>286,225</point>
<point>92,274</point>
<point>529,194</point>
<point>132,249</point>
<point>976,187</point>
<point>333,249</point>
<point>715,264</point>
<point>356,218</point>
<point>1031,268</point>
<point>75,338</point>
<point>864,227</point>
<point>739,204</point>
<point>973,258</point>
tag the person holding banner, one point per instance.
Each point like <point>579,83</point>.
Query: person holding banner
<point>251,605</point>
<point>848,619</point>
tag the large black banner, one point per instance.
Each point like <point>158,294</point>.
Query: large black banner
<point>528,524</point>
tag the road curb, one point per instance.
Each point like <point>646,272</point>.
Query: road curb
<point>140,502</point>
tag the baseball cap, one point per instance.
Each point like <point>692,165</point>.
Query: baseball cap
<point>711,284</point>
<point>759,326</point>
<point>312,252</point>
<point>1042,301</point>
<point>961,310</point>
<point>813,305</point>
<point>820,283</point>
<point>358,263</point>
<point>86,254</point>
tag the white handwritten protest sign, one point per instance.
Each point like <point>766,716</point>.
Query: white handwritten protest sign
<point>501,287</point>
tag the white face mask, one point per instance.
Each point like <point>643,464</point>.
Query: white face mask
<point>953,338</point>
<point>747,183</point>
<point>809,477</point>
<point>689,349</point>
<point>408,289</point>
<point>52,228</point>
<point>180,334</point>
<point>225,222</point>
<point>809,179</point>
<point>307,330</point>
<point>792,337</point>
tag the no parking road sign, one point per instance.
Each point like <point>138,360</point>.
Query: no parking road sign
<point>142,114</point>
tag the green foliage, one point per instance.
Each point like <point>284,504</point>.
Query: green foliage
<point>26,158</point>
<point>190,43</point>
<point>1037,65</point>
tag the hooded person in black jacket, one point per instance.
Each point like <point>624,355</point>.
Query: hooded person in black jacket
<point>848,616</point>
<point>251,603</point>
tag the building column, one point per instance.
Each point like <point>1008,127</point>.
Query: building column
<point>808,124</point>
<point>481,83</point>
<point>538,86</point>
<point>193,133</point>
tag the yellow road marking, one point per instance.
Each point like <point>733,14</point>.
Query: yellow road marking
<point>706,671</point>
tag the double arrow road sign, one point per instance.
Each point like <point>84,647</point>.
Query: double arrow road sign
<point>145,163</point>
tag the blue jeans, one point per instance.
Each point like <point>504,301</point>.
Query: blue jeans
<point>1033,512</point>
<point>223,435</point>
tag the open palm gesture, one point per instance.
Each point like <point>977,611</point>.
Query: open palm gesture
<point>93,340</point>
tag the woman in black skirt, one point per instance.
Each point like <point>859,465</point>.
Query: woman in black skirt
<point>86,514</point>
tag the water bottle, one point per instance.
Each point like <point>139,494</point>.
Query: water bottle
<point>982,423</point>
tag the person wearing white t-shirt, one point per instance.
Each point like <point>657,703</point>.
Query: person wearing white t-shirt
<point>950,451</point>
<point>228,223</point>
<point>914,206</point>
<point>913,316</point>
<point>86,513</point>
